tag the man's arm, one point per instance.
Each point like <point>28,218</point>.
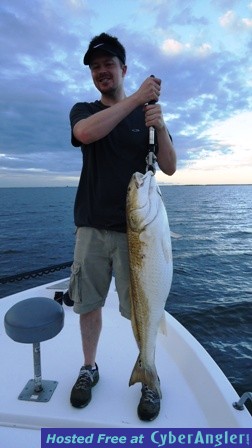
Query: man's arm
<point>166,156</point>
<point>101,124</point>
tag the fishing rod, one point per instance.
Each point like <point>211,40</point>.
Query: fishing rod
<point>151,156</point>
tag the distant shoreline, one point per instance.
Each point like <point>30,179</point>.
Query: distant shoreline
<point>159,183</point>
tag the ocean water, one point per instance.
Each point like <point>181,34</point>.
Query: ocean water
<point>211,294</point>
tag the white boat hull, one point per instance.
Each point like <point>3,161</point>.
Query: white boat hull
<point>196,394</point>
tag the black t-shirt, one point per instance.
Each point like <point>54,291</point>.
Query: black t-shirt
<point>108,165</point>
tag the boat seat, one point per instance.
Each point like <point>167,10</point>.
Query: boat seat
<point>32,321</point>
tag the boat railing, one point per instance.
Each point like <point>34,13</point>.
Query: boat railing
<point>35,273</point>
<point>239,405</point>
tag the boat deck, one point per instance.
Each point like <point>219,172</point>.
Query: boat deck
<point>195,392</point>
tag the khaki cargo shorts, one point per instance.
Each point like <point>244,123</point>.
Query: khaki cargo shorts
<point>98,254</point>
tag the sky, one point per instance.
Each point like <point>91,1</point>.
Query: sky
<point>201,50</point>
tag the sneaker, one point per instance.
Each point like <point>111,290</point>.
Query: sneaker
<point>81,392</point>
<point>149,405</point>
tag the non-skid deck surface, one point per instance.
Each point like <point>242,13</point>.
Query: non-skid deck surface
<point>114,403</point>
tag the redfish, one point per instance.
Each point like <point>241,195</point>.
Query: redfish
<point>151,269</point>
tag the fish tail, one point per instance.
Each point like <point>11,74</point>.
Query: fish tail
<point>146,375</point>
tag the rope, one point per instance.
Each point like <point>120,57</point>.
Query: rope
<point>36,273</point>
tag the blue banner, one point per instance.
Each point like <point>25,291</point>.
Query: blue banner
<point>151,438</point>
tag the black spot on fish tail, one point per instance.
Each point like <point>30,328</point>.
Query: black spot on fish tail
<point>146,375</point>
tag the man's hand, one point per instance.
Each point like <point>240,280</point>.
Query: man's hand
<point>154,116</point>
<point>149,90</point>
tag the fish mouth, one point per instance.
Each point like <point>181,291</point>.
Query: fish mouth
<point>141,212</point>
<point>137,181</point>
<point>139,178</point>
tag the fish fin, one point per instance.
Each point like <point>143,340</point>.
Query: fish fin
<point>167,250</point>
<point>145,375</point>
<point>145,236</point>
<point>175,235</point>
<point>163,327</point>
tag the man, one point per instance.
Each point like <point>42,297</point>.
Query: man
<point>113,135</point>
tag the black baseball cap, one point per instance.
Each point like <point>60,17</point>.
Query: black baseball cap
<point>110,48</point>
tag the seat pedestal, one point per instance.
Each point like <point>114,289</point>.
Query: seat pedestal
<point>37,389</point>
<point>32,321</point>
<point>30,394</point>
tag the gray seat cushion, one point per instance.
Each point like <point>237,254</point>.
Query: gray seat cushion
<point>34,320</point>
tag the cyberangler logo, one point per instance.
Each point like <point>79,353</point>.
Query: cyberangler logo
<point>202,437</point>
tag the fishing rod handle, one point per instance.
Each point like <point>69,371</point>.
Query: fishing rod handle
<point>151,128</point>
<point>152,101</point>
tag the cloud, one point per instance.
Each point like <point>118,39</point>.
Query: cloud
<point>247,23</point>
<point>230,20</point>
<point>230,157</point>
<point>173,47</point>
<point>234,132</point>
<point>206,81</point>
